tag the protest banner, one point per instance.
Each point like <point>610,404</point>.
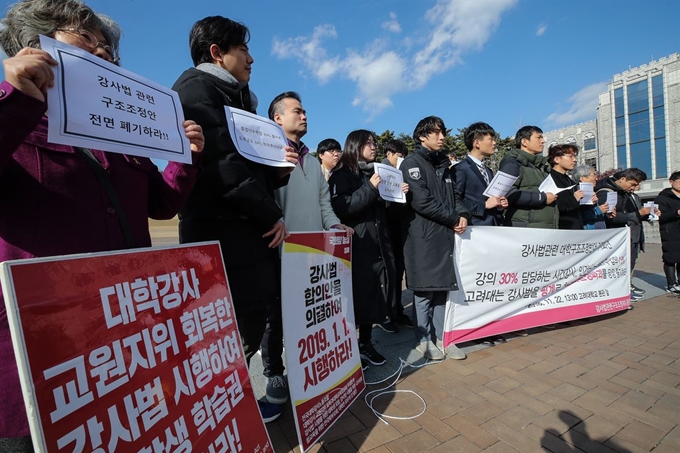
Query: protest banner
<point>517,278</point>
<point>131,351</point>
<point>257,138</point>
<point>391,180</point>
<point>96,104</point>
<point>322,354</point>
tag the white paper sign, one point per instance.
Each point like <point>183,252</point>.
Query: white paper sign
<point>587,188</point>
<point>96,104</point>
<point>612,198</point>
<point>548,186</point>
<point>257,138</point>
<point>391,180</point>
<point>500,185</point>
<point>652,210</point>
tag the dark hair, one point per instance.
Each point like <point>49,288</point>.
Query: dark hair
<point>477,131</point>
<point>452,153</point>
<point>675,175</point>
<point>395,147</point>
<point>328,144</point>
<point>215,30</point>
<point>276,105</point>
<point>525,132</point>
<point>556,151</point>
<point>28,19</point>
<point>353,146</point>
<point>426,126</point>
<point>631,174</point>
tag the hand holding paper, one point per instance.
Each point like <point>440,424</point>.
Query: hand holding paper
<point>30,71</point>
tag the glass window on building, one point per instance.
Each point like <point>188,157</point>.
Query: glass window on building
<point>638,99</point>
<point>657,90</point>
<point>640,156</point>
<point>618,102</point>
<point>661,161</point>
<point>589,142</point>
<point>592,162</point>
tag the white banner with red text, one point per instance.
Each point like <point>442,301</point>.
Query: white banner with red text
<point>322,354</point>
<point>511,279</point>
<point>132,351</point>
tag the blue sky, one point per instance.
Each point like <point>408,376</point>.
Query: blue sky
<point>381,64</point>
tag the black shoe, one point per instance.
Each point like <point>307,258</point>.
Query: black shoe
<point>499,339</point>
<point>634,289</point>
<point>403,320</point>
<point>364,364</point>
<point>674,289</point>
<point>389,327</point>
<point>368,353</point>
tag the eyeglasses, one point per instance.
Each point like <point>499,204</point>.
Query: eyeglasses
<point>370,143</point>
<point>91,41</point>
<point>335,151</point>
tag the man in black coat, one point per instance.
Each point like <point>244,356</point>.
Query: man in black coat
<point>629,212</point>
<point>233,200</point>
<point>472,177</point>
<point>434,213</point>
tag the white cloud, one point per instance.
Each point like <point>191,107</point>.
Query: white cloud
<point>541,29</point>
<point>582,106</point>
<point>380,72</point>
<point>310,51</point>
<point>392,25</point>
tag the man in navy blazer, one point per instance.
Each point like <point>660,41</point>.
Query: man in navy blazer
<point>473,176</point>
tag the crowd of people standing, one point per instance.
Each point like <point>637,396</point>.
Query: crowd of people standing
<point>53,203</point>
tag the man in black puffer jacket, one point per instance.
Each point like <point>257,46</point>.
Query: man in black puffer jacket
<point>434,213</point>
<point>233,200</point>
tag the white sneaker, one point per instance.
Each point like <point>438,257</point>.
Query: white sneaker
<point>452,352</point>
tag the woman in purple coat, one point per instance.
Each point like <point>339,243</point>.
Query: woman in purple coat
<point>51,201</point>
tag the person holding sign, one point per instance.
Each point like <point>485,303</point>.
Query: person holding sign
<point>396,150</point>
<point>356,200</point>
<point>233,201</point>
<point>562,158</point>
<point>434,214</point>
<point>306,204</point>
<point>60,200</point>
<point>592,215</point>
<point>472,177</point>
<point>528,207</point>
<point>629,212</point>
<point>669,227</point>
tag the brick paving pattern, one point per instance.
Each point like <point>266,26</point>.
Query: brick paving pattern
<point>605,384</point>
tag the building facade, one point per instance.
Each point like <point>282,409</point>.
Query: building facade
<point>638,125</point>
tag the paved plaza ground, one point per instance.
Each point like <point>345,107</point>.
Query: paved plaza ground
<point>605,384</point>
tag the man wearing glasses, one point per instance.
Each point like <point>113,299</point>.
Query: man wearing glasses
<point>329,152</point>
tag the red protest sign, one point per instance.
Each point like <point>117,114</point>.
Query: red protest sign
<point>132,351</point>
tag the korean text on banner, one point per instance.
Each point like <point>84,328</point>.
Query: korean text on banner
<point>96,104</point>
<point>391,180</point>
<point>322,357</point>
<point>134,351</point>
<point>533,277</point>
<point>257,138</point>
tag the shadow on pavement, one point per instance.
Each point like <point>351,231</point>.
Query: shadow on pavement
<point>575,437</point>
